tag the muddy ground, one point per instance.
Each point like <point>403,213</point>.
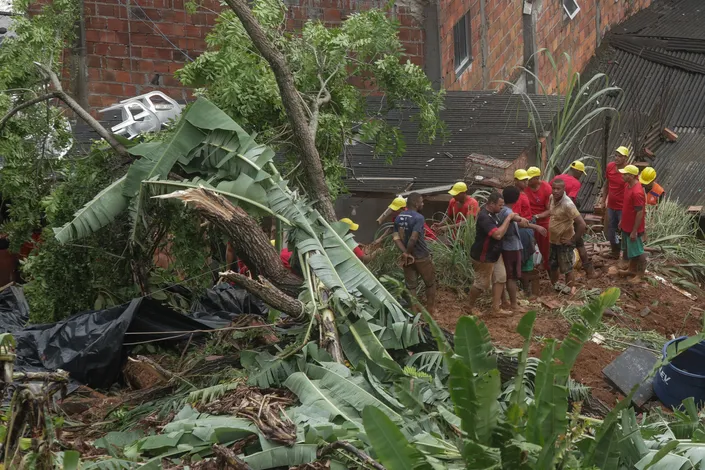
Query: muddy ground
<point>671,314</point>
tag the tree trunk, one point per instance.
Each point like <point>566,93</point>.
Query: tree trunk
<point>251,244</point>
<point>291,100</point>
<point>269,294</point>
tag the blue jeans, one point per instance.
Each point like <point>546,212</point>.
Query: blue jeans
<point>614,218</point>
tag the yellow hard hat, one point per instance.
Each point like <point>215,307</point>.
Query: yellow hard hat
<point>458,188</point>
<point>578,165</point>
<point>647,175</point>
<point>624,151</point>
<point>353,225</point>
<point>629,170</point>
<point>273,242</point>
<point>521,175</point>
<point>533,172</point>
<point>397,203</point>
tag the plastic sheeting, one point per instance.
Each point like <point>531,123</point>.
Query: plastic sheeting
<point>92,346</point>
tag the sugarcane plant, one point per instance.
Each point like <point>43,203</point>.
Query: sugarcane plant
<point>579,111</point>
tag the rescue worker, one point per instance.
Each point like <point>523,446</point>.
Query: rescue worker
<point>522,206</point>
<point>359,252</point>
<point>613,197</point>
<point>460,207</point>
<point>633,224</point>
<point>654,192</point>
<point>539,193</point>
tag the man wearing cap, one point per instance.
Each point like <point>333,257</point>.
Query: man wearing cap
<point>522,206</point>
<point>633,223</point>
<point>359,252</point>
<point>613,194</point>
<point>460,207</point>
<point>539,193</point>
<point>654,192</point>
<point>416,257</point>
<point>572,186</point>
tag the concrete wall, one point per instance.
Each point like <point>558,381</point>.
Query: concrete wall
<point>498,28</point>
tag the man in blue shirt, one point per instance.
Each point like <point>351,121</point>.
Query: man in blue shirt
<point>416,257</point>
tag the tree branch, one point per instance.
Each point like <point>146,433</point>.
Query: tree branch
<point>285,80</point>
<point>266,291</point>
<point>82,113</point>
<point>24,105</point>
<point>351,449</point>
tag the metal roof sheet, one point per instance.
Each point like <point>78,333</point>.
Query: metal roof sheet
<point>664,85</point>
<point>486,123</point>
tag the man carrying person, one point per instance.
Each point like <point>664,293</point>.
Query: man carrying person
<point>539,193</point>
<point>613,195</point>
<point>654,192</point>
<point>565,228</point>
<point>512,246</point>
<point>460,207</point>
<point>416,257</point>
<point>486,252</point>
<point>522,206</point>
<point>572,187</point>
<point>633,224</point>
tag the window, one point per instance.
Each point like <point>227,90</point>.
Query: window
<point>462,48</point>
<point>571,7</point>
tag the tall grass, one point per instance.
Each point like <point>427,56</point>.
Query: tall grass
<point>670,228</point>
<point>451,259</point>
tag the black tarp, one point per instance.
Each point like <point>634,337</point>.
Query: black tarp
<point>92,346</point>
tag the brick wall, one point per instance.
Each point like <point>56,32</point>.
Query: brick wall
<point>135,46</point>
<point>505,42</point>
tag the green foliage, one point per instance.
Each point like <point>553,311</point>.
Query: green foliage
<point>365,47</point>
<point>579,110</point>
<point>26,141</point>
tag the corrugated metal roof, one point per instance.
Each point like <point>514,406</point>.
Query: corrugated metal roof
<point>485,123</point>
<point>679,167</point>
<point>658,61</point>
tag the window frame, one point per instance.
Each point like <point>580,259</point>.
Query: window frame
<point>466,61</point>
<point>565,8</point>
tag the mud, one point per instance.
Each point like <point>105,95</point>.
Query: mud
<point>671,314</point>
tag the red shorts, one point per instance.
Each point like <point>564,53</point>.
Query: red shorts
<point>512,264</point>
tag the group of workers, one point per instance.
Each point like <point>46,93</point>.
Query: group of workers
<point>531,215</point>
<point>528,225</point>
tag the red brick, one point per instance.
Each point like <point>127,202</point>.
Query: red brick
<point>94,74</point>
<point>93,61</point>
<point>129,90</point>
<point>145,66</point>
<point>331,15</point>
<point>112,50</point>
<point>115,24</point>
<point>193,31</point>
<point>106,10</point>
<point>122,77</point>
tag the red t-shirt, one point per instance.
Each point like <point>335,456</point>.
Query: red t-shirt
<point>468,208</point>
<point>523,206</point>
<point>285,256</point>
<point>615,182</point>
<point>358,252</point>
<point>572,185</point>
<point>538,200</point>
<point>633,197</point>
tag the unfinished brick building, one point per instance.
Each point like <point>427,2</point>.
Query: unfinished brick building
<point>129,47</point>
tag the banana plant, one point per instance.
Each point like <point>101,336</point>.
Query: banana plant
<point>224,159</point>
